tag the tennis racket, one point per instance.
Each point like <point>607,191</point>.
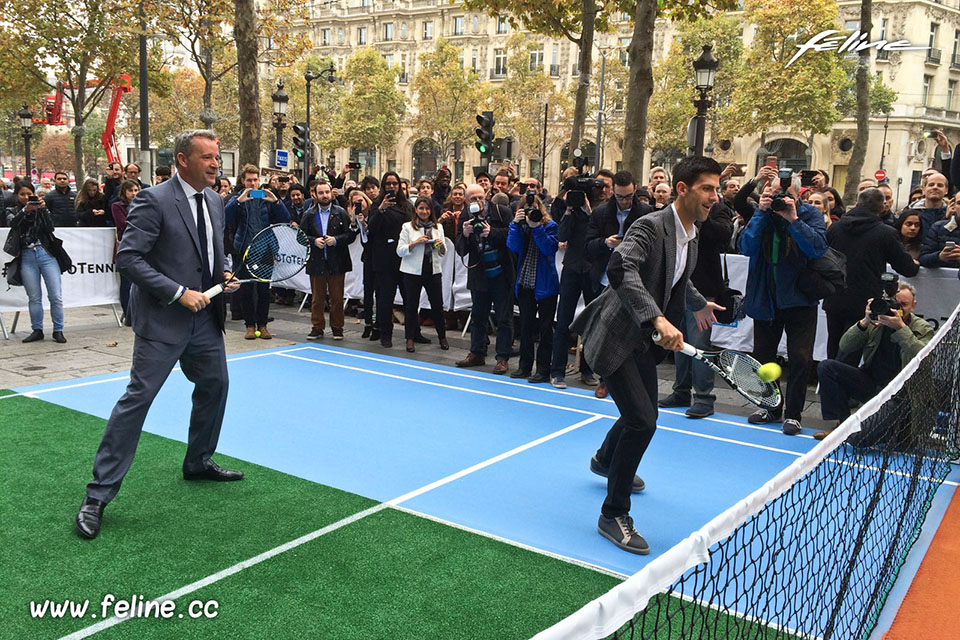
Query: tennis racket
<point>276,253</point>
<point>739,371</point>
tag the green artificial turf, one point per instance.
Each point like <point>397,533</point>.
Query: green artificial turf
<point>389,575</point>
<point>160,532</point>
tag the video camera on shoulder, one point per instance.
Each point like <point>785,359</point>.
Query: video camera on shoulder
<point>578,187</point>
<point>785,178</point>
<point>886,304</point>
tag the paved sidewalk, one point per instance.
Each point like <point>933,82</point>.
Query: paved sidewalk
<point>96,345</point>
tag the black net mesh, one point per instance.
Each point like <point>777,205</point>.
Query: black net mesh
<point>819,560</point>
<point>277,253</point>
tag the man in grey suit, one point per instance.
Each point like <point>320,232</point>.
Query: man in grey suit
<point>649,290</point>
<point>172,251</point>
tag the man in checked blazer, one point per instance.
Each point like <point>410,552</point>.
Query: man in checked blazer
<point>649,290</point>
<point>172,251</point>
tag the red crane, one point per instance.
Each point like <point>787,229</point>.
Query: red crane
<point>51,112</point>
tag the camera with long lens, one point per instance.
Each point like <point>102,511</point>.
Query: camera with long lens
<point>532,213</point>
<point>886,304</point>
<point>585,184</point>
<point>785,177</point>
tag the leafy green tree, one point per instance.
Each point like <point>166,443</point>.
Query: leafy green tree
<point>84,45</point>
<point>615,76</point>
<point>55,153</point>
<point>372,111</point>
<point>445,97</point>
<point>94,156</point>
<point>576,20</point>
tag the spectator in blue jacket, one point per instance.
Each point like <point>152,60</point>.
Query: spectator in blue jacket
<point>249,215</point>
<point>533,237</point>
<point>779,245</point>
<point>937,250</point>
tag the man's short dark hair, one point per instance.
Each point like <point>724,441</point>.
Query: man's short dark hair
<point>164,170</point>
<point>503,173</point>
<point>623,179</point>
<point>369,181</point>
<point>478,174</point>
<point>691,168</point>
<point>298,187</point>
<point>61,173</point>
<point>110,165</point>
<point>871,199</point>
<point>604,173</point>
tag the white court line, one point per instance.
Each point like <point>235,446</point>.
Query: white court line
<point>513,543</point>
<point>266,555</point>
<point>525,385</point>
<point>33,394</point>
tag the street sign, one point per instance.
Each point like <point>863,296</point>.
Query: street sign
<point>282,159</point>
<point>880,175</point>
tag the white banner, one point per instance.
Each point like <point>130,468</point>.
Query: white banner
<point>93,280</point>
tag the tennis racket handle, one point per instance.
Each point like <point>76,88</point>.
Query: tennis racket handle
<point>215,290</point>
<point>687,349</point>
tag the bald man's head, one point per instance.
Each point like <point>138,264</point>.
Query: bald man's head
<point>935,190</point>
<point>476,193</point>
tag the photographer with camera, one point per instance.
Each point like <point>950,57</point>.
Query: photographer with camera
<point>482,241</point>
<point>533,237</point>
<point>251,211</point>
<point>781,237</point>
<point>887,337</point>
<point>869,246</point>
<point>941,244</point>
<point>37,254</point>
<point>608,222</point>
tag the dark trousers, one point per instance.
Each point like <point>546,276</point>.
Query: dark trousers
<point>800,325</point>
<point>692,373</point>
<point>369,289</point>
<point>412,284</point>
<point>838,383</point>
<point>203,361</point>
<point>255,303</point>
<point>387,283</point>
<point>572,286</point>
<point>536,323</point>
<point>500,295</point>
<point>633,388</point>
<point>125,284</point>
<point>837,324</point>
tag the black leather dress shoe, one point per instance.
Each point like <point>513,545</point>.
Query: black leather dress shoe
<point>89,518</point>
<point>421,339</point>
<point>58,337</point>
<point>215,472</point>
<point>35,335</point>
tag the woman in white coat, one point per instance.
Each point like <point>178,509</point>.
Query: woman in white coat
<point>420,248</point>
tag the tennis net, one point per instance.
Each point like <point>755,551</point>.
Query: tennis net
<point>815,552</point>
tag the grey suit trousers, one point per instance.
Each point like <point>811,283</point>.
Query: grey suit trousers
<point>203,360</point>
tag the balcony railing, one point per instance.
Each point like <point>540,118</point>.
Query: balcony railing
<point>933,56</point>
<point>883,54</point>
<point>498,74</point>
<point>575,70</point>
<point>554,71</point>
<point>955,61</point>
<point>403,78</point>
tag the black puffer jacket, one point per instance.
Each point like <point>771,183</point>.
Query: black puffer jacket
<point>61,208</point>
<point>869,246</point>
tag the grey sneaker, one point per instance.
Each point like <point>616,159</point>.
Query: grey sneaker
<point>619,530</point>
<point>791,427</point>
<point>590,380</point>
<point>558,382</point>
<point>600,470</point>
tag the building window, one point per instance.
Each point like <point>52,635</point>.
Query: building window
<point>388,59</point>
<point>476,24</point>
<point>925,90</point>
<point>536,59</point>
<point>403,30</point>
<point>460,58</point>
<point>388,31</point>
<point>501,25</point>
<point>458,25</point>
<point>956,46</point>
<point>934,29</point>
<point>361,35</point>
<point>324,37</point>
<point>951,89</point>
<point>500,62</point>
<point>364,3</point>
<point>340,35</point>
<point>623,43</point>
<point>428,29</point>
<point>473,59</point>
<point>883,29</point>
<point>851,25</point>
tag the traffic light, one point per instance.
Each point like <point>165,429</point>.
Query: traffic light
<point>301,141</point>
<point>485,133</point>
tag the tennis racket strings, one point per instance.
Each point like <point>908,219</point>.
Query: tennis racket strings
<point>742,371</point>
<point>277,253</point>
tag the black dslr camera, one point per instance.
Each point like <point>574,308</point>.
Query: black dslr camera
<point>579,188</point>
<point>886,304</point>
<point>532,213</point>
<point>778,204</point>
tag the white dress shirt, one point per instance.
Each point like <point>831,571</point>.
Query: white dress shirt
<point>683,246</point>
<point>192,201</point>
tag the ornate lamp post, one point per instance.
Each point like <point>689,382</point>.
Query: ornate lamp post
<point>705,71</point>
<point>280,100</point>
<point>26,122</point>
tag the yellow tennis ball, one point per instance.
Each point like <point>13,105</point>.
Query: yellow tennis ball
<point>257,333</point>
<point>769,372</point>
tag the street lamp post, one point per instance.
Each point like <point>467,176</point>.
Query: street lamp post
<point>280,99</point>
<point>705,70</point>
<point>310,76</point>
<point>26,122</point>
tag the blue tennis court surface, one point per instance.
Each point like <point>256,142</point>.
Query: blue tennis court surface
<point>389,428</point>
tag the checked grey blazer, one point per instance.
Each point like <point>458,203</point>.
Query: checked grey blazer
<point>640,272</point>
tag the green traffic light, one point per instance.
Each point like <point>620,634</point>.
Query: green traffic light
<point>482,148</point>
